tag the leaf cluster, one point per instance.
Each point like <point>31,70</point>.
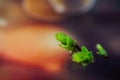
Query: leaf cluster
<point>79,55</point>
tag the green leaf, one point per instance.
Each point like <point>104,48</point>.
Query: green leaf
<point>66,41</point>
<point>101,50</point>
<point>61,37</point>
<point>84,49</point>
<point>84,57</point>
<point>78,57</point>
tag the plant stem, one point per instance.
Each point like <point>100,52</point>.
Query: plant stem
<point>77,48</point>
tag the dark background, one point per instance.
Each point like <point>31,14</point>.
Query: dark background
<point>100,25</point>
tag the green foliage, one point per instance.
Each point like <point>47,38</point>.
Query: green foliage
<point>101,50</point>
<point>79,55</point>
<point>66,41</point>
<point>84,57</point>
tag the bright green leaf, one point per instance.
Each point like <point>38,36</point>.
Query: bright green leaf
<point>78,57</point>
<point>84,57</point>
<point>84,49</point>
<point>101,50</point>
<point>66,41</point>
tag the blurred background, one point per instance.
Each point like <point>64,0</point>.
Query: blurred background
<point>90,21</point>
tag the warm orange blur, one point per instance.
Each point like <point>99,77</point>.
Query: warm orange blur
<point>40,9</point>
<point>34,45</point>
